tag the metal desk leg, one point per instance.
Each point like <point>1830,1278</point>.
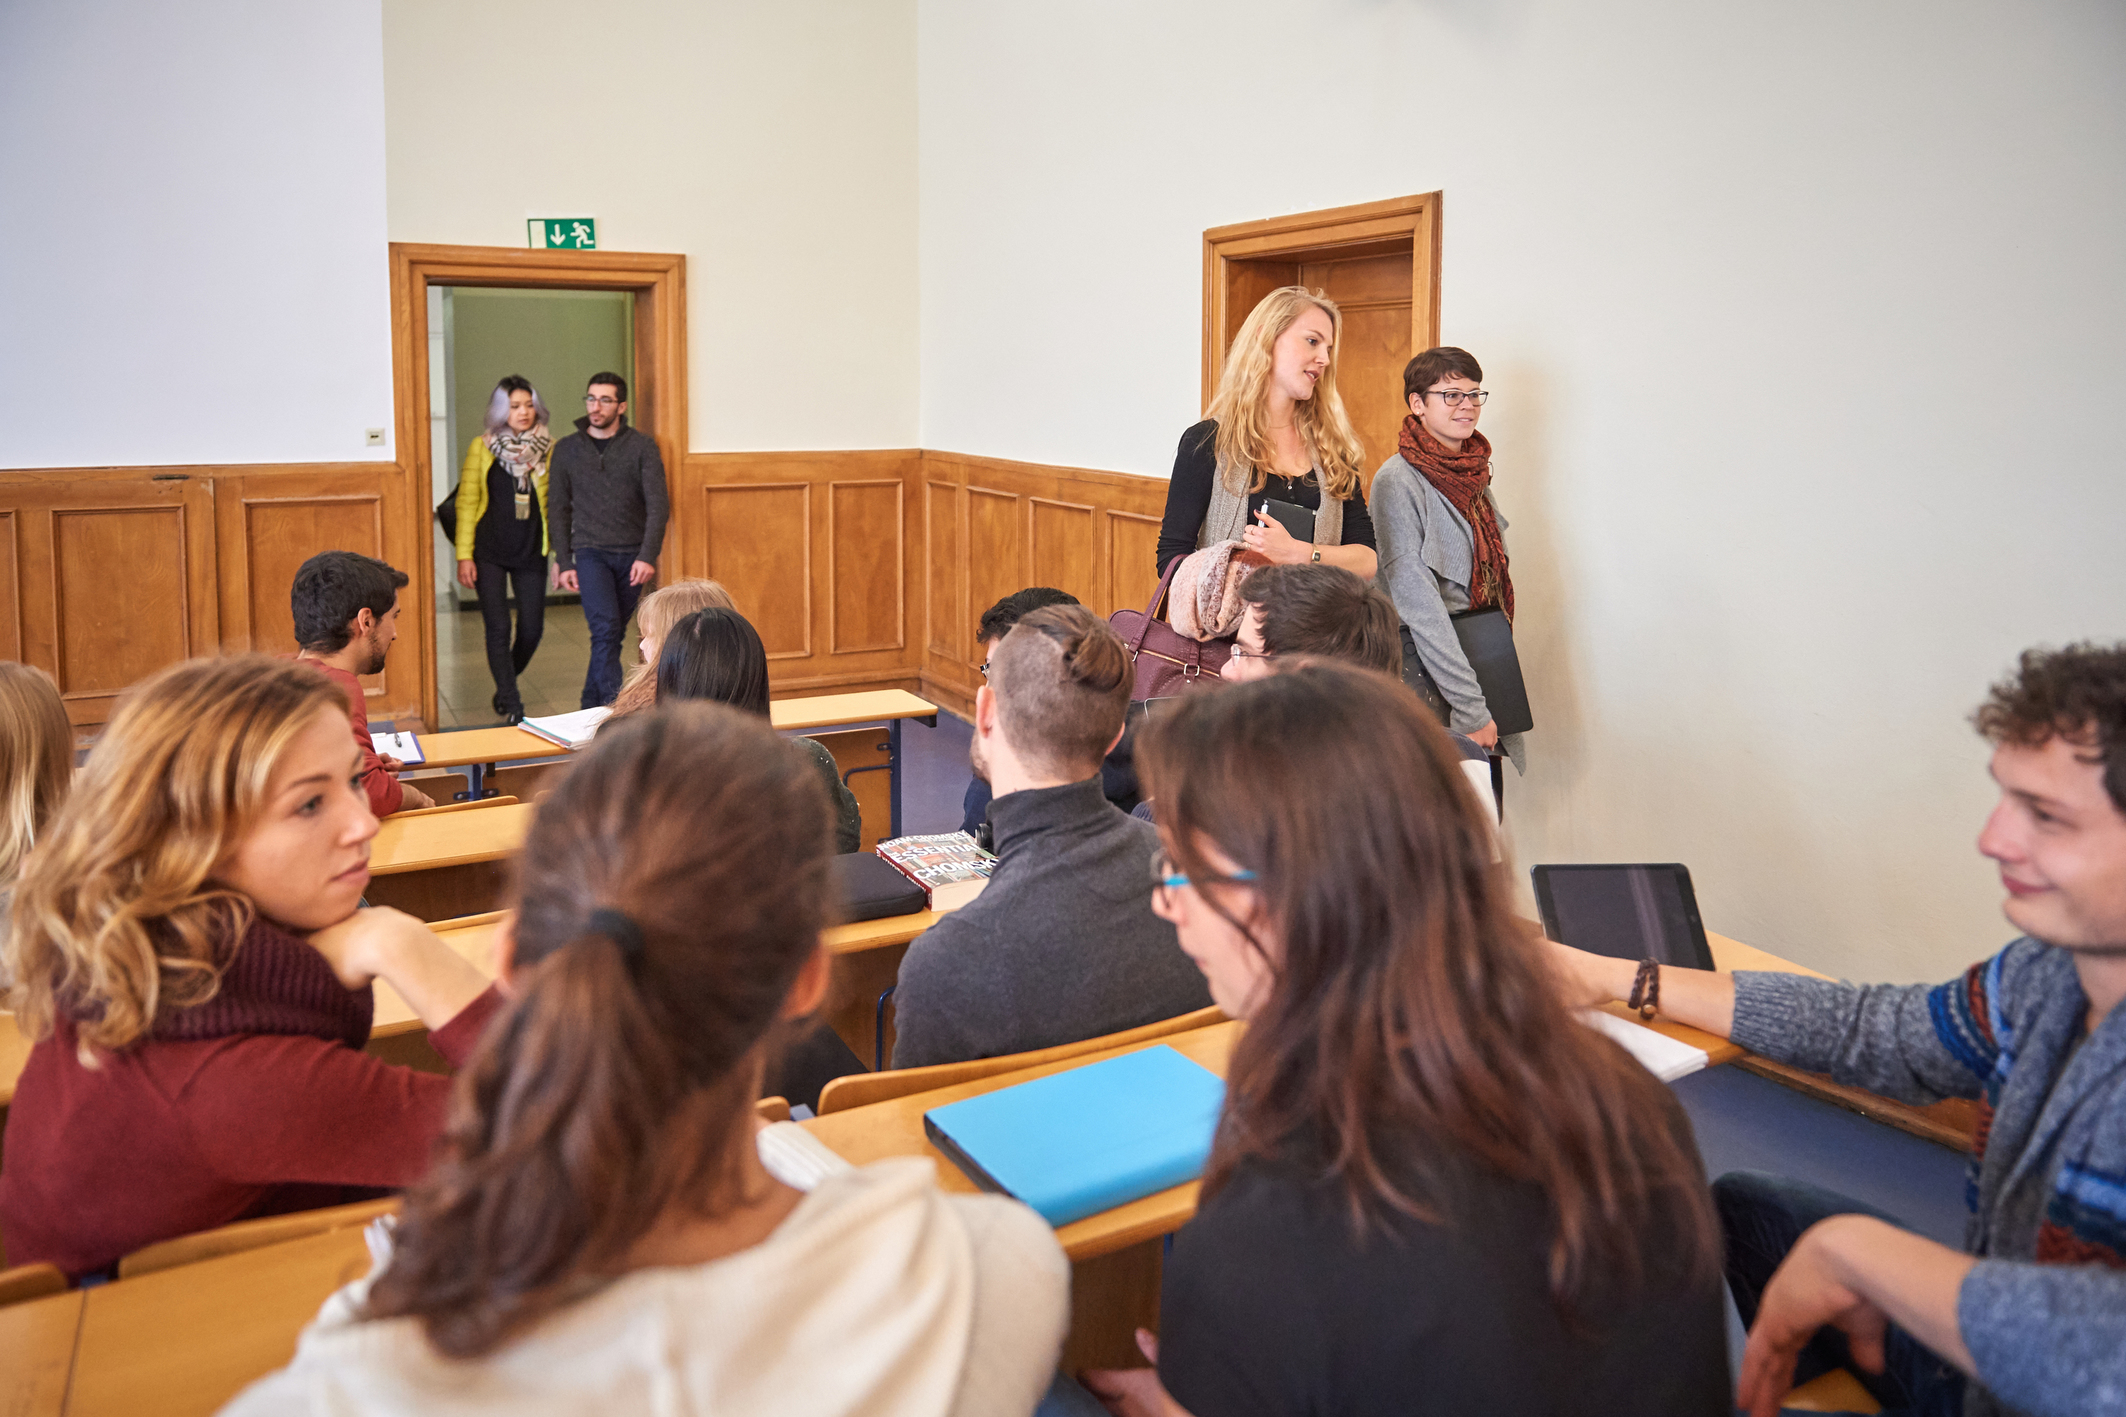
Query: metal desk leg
<point>893,772</point>
<point>475,773</point>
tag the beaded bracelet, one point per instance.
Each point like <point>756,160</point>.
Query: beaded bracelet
<point>1646,989</point>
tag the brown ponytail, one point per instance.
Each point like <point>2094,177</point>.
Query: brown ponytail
<point>1062,680</point>
<point>610,1091</point>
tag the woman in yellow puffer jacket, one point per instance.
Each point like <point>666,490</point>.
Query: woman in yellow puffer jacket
<point>502,537</point>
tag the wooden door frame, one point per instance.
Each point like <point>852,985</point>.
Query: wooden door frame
<point>1331,234</point>
<point>659,391</point>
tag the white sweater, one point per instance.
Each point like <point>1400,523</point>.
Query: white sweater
<point>879,1294</point>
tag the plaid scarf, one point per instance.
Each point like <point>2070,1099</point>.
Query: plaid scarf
<point>520,454</point>
<point>1463,478</point>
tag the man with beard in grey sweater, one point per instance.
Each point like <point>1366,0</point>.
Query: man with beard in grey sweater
<point>1062,944</point>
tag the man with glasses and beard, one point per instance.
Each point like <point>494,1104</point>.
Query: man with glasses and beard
<point>606,497</point>
<point>346,616</point>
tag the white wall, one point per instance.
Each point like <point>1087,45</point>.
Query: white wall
<point>1805,325</point>
<point>192,203</point>
<point>771,144</point>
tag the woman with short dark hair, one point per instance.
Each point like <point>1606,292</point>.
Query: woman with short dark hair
<point>502,540</point>
<point>716,654</point>
<point>1432,1190</point>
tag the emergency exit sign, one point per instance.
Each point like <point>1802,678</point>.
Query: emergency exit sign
<point>563,233</point>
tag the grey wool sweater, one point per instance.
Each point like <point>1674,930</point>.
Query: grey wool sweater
<point>607,494</point>
<point>1060,946</point>
<point>2044,1312</point>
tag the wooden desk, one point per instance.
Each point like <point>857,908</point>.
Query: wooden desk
<point>448,865</point>
<point>186,1340</point>
<point>478,749</point>
<point>37,1353</point>
<point>473,937</point>
<point>14,1057</point>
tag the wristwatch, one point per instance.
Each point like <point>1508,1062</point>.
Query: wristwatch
<point>1317,555</point>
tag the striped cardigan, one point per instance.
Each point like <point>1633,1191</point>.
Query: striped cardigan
<point>2044,1313</point>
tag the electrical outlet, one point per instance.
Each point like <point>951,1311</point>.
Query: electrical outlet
<point>373,437</point>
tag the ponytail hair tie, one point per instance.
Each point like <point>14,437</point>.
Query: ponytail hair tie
<point>622,931</point>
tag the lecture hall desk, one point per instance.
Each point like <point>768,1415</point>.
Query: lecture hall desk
<point>478,749</point>
<point>184,1340</point>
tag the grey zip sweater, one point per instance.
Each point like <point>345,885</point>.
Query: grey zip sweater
<point>1060,946</point>
<point>607,494</point>
<point>2044,1312</point>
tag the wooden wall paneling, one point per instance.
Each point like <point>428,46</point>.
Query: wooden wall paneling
<point>996,553</point>
<point>10,590</point>
<point>114,575</point>
<point>269,524</point>
<point>1132,556</point>
<point>757,540</point>
<point>946,632</point>
<point>1060,547</point>
<point>866,566</point>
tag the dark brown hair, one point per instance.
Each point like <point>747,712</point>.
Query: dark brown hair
<point>1412,1026</point>
<point>1326,610</point>
<point>714,654</point>
<point>612,1089</point>
<point>1062,681</point>
<point>1442,362</point>
<point>2078,694</point>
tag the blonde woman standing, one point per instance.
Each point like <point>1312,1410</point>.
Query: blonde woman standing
<point>36,767</point>
<point>190,966</point>
<point>502,536</point>
<point>1277,431</point>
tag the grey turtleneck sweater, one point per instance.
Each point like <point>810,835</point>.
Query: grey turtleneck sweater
<point>1060,946</point>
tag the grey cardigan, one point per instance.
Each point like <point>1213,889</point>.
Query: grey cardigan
<point>2044,1311</point>
<point>1060,946</point>
<point>1427,557</point>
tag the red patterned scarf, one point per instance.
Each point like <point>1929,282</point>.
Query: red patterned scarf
<point>1462,479</point>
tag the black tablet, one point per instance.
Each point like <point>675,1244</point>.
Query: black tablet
<point>1295,519</point>
<point>1629,912</point>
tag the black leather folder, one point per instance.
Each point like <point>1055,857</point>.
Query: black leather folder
<point>1487,642</point>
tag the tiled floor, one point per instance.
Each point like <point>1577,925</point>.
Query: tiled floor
<point>552,683</point>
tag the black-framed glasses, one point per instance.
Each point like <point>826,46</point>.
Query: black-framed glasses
<point>982,669</point>
<point>1241,651</point>
<point>601,401</point>
<point>1453,397</point>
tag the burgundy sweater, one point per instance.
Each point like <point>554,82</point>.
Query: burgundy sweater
<point>257,1102</point>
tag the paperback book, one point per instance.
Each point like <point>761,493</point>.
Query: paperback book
<point>949,867</point>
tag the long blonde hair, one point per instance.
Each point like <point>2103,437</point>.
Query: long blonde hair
<point>115,917</point>
<point>1242,404</point>
<point>36,760</point>
<point>659,611</point>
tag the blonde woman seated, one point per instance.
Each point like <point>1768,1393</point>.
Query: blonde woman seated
<point>1432,1190</point>
<point>188,958</point>
<point>36,768</point>
<point>660,610</point>
<point>603,1232</point>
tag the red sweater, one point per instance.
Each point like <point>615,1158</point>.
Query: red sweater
<point>386,792</point>
<point>257,1102</point>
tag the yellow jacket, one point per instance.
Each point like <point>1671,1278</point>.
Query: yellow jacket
<point>472,495</point>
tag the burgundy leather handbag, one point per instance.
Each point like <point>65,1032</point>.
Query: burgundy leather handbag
<point>1167,662</point>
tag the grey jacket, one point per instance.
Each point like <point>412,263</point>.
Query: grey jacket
<point>1060,946</point>
<point>607,493</point>
<point>2044,1312</point>
<point>1427,558</point>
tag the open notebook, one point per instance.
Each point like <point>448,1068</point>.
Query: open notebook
<point>570,730</point>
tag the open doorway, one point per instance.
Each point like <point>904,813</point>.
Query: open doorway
<point>432,444</point>
<point>555,340</point>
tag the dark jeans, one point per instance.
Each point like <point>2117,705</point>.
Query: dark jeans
<point>504,661</point>
<point>1761,1217</point>
<point>608,600</point>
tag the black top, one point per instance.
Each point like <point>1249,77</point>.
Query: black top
<point>1270,1306</point>
<point>1188,497</point>
<point>500,539</point>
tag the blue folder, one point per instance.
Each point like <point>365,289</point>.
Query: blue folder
<point>1085,1140</point>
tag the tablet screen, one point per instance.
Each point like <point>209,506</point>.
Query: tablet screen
<point>1629,912</point>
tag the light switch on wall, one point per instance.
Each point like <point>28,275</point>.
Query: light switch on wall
<point>373,437</point>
